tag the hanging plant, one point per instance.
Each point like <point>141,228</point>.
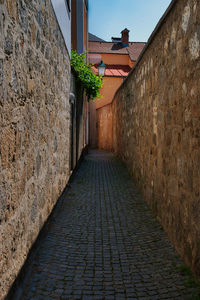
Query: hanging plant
<point>91,82</point>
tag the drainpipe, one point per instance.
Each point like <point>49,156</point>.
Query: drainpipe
<point>72,101</point>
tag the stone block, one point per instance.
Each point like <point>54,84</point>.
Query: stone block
<point>7,147</point>
<point>12,9</point>
<point>8,43</point>
<point>30,85</point>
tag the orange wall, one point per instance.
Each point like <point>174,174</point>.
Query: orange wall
<point>131,63</point>
<point>110,85</point>
<point>92,125</point>
<point>103,105</point>
<point>104,125</point>
<point>115,59</point>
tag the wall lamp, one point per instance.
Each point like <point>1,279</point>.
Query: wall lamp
<point>101,68</point>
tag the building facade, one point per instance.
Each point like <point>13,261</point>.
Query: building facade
<point>119,56</point>
<point>80,25</point>
<point>79,104</point>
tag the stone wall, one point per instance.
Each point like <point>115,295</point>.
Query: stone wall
<point>34,126</point>
<point>156,127</point>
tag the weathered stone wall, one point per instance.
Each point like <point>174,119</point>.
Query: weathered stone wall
<point>156,123</point>
<point>34,126</point>
<point>104,130</point>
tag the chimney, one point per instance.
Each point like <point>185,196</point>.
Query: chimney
<point>125,37</point>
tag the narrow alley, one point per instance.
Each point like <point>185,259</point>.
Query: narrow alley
<point>103,243</point>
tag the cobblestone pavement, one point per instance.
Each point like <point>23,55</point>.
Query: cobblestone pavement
<point>103,243</point>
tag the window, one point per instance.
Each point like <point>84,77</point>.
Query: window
<point>68,5</point>
<point>86,4</point>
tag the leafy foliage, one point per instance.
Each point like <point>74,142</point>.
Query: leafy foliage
<point>90,81</point>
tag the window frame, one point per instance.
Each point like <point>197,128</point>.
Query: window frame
<point>86,4</point>
<point>68,5</point>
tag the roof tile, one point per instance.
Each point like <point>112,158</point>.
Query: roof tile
<point>133,50</point>
<point>114,70</point>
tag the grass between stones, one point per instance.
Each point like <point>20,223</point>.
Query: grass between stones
<point>190,281</point>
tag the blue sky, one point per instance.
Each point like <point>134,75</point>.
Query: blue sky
<point>109,17</point>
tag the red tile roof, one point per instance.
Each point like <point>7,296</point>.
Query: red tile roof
<point>133,50</point>
<point>114,70</point>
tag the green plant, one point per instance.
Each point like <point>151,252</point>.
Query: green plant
<point>190,281</point>
<point>90,81</point>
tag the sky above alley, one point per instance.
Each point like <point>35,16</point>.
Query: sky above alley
<point>108,18</point>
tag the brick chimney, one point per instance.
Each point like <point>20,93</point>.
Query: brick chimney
<point>125,36</point>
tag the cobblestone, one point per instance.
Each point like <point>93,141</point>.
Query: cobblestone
<point>103,243</point>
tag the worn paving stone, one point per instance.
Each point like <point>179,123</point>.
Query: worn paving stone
<point>103,243</point>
